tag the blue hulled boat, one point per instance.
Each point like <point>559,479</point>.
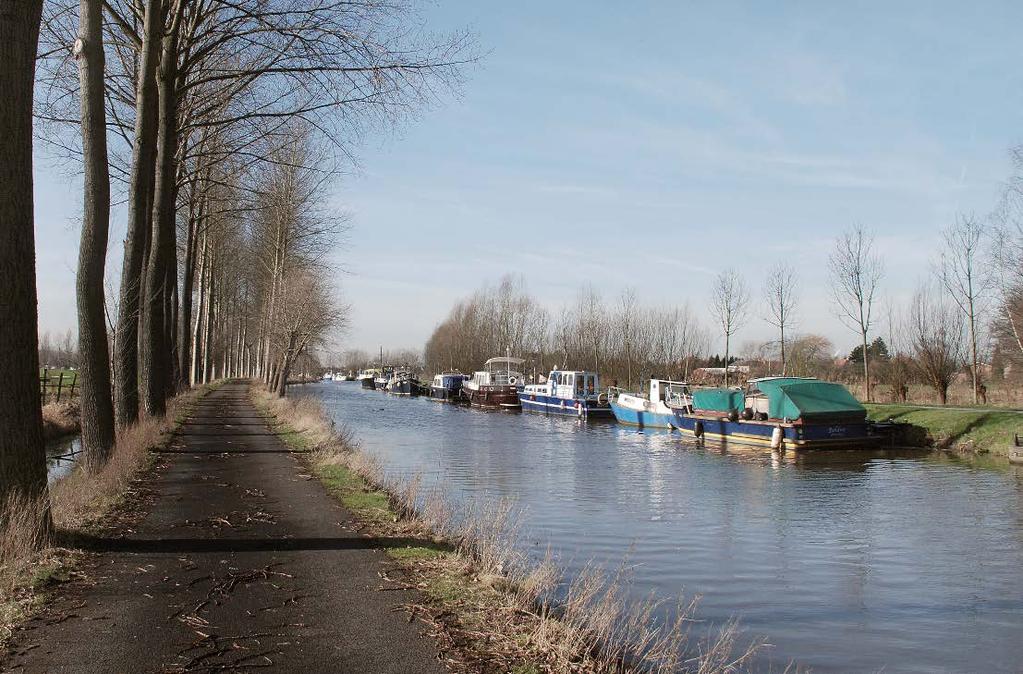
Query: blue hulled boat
<point>656,409</point>
<point>573,393</point>
<point>780,413</point>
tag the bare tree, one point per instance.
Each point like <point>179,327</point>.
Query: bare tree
<point>627,328</point>
<point>856,271</point>
<point>937,340</point>
<point>780,291</point>
<point>96,400</point>
<point>22,454</point>
<point>730,304</point>
<point>962,274</point>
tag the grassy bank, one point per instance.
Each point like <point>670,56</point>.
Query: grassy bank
<point>490,608</point>
<point>61,419</point>
<point>78,502</point>
<point>975,430</point>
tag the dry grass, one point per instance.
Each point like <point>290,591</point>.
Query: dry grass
<point>79,500</point>
<point>492,608</point>
<point>82,497</point>
<point>60,419</point>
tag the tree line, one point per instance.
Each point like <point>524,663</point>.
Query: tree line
<point>618,337</point>
<point>221,126</point>
<point>967,311</point>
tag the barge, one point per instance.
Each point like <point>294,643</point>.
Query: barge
<point>781,413</point>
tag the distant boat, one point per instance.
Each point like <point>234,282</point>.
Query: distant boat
<point>367,377</point>
<point>340,377</point>
<point>570,392</point>
<point>448,386</point>
<point>781,412</point>
<point>383,377</point>
<point>497,386</point>
<point>657,409</point>
<point>402,383</point>
<point>327,376</point>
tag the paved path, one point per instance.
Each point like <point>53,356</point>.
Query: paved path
<point>242,561</point>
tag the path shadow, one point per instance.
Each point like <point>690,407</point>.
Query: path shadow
<point>185,545</point>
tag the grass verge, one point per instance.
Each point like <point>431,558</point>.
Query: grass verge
<point>78,502</point>
<point>971,431</point>
<point>490,608</point>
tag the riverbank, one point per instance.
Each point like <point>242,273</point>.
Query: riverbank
<point>980,431</point>
<point>490,607</point>
<point>61,419</point>
<point>80,504</point>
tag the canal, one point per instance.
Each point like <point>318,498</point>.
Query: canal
<point>906,562</point>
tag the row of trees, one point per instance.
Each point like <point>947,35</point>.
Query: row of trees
<point>619,338</point>
<point>220,124</point>
<point>938,332</point>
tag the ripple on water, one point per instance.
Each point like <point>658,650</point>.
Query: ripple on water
<point>842,560</point>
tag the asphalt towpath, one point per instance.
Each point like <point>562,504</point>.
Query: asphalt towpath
<point>242,562</point>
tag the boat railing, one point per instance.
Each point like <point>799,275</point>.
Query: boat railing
<point>613,392</point>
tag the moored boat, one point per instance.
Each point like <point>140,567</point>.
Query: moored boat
<point>383,377</point>
<point>448,386</point>
<point>656,409</point>
<point>366,378</point>
<point>402,383</point>
<point>571,393</point>
<point>497,386</point>
<point>781,413</point>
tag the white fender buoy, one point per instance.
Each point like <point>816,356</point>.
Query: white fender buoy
<point>776,437</point>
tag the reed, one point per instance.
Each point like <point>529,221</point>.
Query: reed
<point>494,607</point>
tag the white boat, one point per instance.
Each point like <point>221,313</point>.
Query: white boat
<point>656,409</point>
<point>570,392</point>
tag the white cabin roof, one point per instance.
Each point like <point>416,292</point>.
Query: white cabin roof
<point>504,360</point>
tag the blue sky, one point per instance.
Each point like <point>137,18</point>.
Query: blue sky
<point>651,145</point>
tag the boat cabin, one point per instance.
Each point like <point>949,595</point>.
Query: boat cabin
<point>674,394</point>
<point>569,385</point>
<point>449,380</point>
<point>501,371</point>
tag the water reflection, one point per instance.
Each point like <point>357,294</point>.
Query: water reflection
<point>904,561</point>
<point>61,456</point>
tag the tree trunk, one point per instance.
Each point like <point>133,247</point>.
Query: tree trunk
<point>97,408</point>
<point>139,199</point>
<point>156,368</point>
<point>183,344</point>
<point>22,455</point>
<point>973,354</point>
<point>784,365</point>
<point>866,369</point>
<point>727,345</point>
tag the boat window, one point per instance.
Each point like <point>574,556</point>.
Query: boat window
<point>569,380</point>
<point>580,383</point>
<point>591,384</point>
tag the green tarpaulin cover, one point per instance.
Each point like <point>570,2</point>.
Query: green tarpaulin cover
<point>718,399</point>
<point>801,399</point>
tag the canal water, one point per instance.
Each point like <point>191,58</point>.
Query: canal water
<point>61,456</point>
<point>844,561</point>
